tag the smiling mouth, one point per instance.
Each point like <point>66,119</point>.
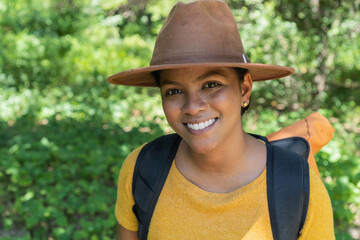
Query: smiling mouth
<point>201,125</point>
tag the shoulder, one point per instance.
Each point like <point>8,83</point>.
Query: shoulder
<point>125,200</point>
<point>319,196</point>
<point>319,219</point>
<point>316,185</point>
<point>127,168</point>
<point>319,200</point>
<point>159,147</point>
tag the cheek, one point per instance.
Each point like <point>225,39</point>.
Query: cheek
<point>171,110</point>
<point>227,98</point>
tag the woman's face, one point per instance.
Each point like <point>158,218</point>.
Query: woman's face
<point>203,104</point>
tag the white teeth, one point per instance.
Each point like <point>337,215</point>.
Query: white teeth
<point>202,125</point>
<point>207,123</point>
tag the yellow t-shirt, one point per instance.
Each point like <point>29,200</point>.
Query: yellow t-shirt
<point>184,211</point>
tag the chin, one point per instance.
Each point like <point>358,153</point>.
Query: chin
<point>201,144</point>
<point>200,147</point>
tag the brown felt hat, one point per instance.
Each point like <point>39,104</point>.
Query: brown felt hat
<point>201,33</point>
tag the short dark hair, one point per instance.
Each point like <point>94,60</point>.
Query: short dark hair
<point>156,75</point>
<point>240,72</point>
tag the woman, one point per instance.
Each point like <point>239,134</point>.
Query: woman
<point>216,187</point>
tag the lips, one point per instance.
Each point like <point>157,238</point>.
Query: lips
<point>201,125</point>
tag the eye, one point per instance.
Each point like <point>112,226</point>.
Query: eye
<point>211,85</point>
<point>173,91</point>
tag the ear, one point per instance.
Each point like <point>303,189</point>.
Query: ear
<point>246,87</point>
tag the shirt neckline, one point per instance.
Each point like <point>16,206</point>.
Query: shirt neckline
<point>194,188</point>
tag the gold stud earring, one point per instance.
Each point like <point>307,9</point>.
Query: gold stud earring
<point>245,104</point>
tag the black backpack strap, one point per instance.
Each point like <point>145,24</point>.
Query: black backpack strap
<point>288,186</point>
<point>151,169</point>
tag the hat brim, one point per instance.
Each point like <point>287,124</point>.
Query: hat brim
<point>142,77</point>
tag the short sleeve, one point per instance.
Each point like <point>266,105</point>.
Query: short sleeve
<point>125,199</point>
<point>319,223</point>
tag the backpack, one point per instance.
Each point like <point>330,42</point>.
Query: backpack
<point>287,176</point>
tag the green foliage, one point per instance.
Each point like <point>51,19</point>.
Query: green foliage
<point>62,174</point>
<point>64,131</point>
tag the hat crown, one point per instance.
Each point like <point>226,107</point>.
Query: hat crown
<point>199,32</point>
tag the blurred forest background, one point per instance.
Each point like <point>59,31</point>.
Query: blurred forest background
<point>64,131</point>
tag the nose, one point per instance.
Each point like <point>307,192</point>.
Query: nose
<point>194,103</point>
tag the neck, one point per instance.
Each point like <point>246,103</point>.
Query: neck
<point>225,169</point>
<point>230,156</point>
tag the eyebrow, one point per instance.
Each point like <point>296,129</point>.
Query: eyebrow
<point>211,73</point>
<point>202,77</point>
<point>169,82</point>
